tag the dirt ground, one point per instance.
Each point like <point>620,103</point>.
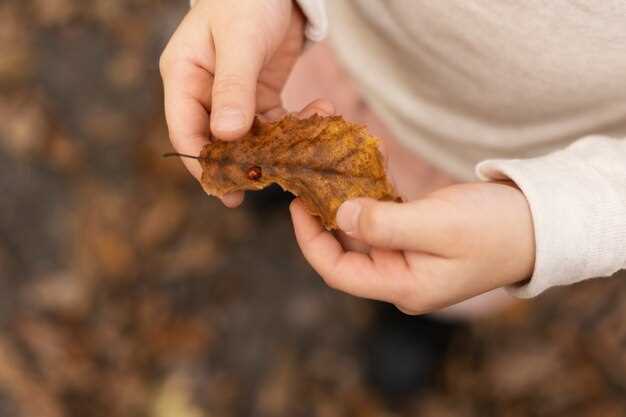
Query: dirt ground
<point>125,291</point>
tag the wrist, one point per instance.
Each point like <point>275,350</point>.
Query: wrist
<point>523,235</point>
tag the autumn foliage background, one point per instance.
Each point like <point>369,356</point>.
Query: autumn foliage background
<point>125,291</point>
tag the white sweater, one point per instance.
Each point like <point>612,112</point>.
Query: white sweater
<point>463,81</point>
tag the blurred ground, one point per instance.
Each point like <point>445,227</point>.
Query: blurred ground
<point>125,291</point>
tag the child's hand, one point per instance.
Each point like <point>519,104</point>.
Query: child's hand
<point>456,243</point>
<point>227,60</point>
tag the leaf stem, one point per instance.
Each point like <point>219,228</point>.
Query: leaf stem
<point>182,155</point>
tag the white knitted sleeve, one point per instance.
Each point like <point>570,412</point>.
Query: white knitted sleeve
<point>577,197</point>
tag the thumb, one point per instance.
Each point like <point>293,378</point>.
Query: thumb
<point>238,63</point>
<point>380,224</point>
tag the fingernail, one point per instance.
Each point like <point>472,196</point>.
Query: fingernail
<point>233,200</point>
<point>348,217</point>
<point>229,119</point>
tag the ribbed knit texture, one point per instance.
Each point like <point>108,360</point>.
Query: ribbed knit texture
<point>577,197</point>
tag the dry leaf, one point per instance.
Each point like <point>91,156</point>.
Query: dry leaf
<point>323,160</point>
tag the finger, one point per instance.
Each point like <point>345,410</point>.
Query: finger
<point>233,200</point>
<point>186,66</point>
<point>352,244</point>
<point>321,107</point>
<point>274,114</point>
<point>351,272</point>
<point>405,226</point>
<point>187,85</point>
<point>187,118</point>
<point>239,58</point>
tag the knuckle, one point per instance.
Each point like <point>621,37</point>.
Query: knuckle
<point>248,31</point>
<point>228,84</point>
<point>372,224</point>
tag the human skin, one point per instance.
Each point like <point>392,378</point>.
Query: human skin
<point>227,61</point>
<point>451,245</point>
<point>230,60</point>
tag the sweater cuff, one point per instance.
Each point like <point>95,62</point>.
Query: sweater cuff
<point>579,217</point>
<point>315,12</point>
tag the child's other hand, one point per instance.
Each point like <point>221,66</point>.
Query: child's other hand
<point>456,243</point>
<point>227,61</point>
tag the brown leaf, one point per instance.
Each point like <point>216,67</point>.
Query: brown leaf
<point>323,160</point>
